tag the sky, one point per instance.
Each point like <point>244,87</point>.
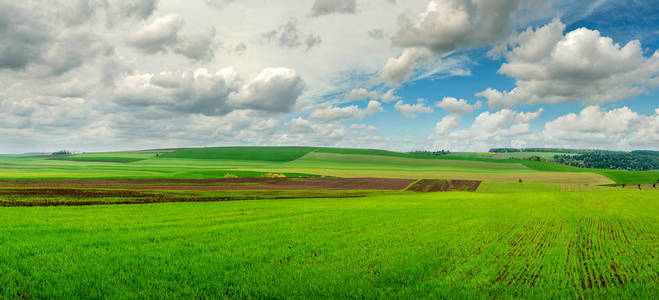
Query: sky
<point>459,75</point>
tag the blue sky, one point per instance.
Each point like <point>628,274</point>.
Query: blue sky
<point>463,75</point>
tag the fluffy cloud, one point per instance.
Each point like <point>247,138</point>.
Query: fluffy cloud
<point>444,27</point>
<point>398,70</point>
<point>374,107</point>
<point>163,34</point>
<point>326,112</point>
<point>504,128</point>
<point>450,25</point>
<point>550,67</point>
<point>447,124</point>
<point>361,94</point>
<point>410,110</point>
<point>389,96</point>
<point>158,35</point>
<point>455,106</point>
<point>326,7</point>
<point>593,127</point>
<point>274,90</point>
<point>288,36</point>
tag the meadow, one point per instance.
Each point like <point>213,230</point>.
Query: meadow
<point>407,245</point>
<point>305,161</point>
<point>562,232</point>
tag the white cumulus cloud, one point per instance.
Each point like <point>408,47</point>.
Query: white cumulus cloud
<point>455,106</point>
<point>550,67</point>
<point>410,110</point>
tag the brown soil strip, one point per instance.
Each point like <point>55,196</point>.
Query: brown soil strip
<point>220,184</point>
<point>41,196</point>
<point>439,185</point>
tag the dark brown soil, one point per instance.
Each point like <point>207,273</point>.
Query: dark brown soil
<point>440,185</point>
<point>220,184</point>
<point>81,197</point>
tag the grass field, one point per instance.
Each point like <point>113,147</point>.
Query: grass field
<point>529,244</point>
<point>306,161</point>
<point>563,232</point>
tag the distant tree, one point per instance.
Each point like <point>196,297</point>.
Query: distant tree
<point>520,180</point>
<point>62,152</point>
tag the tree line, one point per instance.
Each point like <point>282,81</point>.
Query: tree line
<point>633,161</point>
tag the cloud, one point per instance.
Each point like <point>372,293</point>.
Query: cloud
<point>503,128</point>
<point>550,67</point>
<point>410,110</point>
<point>288,36</point>
<point>361,94</point>
<point>163,35</point>
<point>377,34</point>
<point>450,25</point>
<point>326,7</point>
<point>132,9</point>
<point>34,45</point>
<point>220,4</point>
<point>443,28</point>
<point>333,113</point>
<point>158,35</point>
<point>398,70</point>
<point>389,96</point>
<point>373,107</point>
<point>199,46</point>
<point>326,112</point>
<point>447,124</point>
<point>455,106</point>
<point>274,90</point>
<point>593,127</point>
<point>240,49</point>
<point>23,39</point>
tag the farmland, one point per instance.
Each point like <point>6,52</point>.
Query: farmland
<point>343,223</point>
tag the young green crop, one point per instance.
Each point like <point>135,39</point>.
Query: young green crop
<point>411,245</point>
<point>275,154</point>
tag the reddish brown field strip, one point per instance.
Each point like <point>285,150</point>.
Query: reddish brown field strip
<point>338,184</point>
<point>27,197</point>
<point>439,185</point>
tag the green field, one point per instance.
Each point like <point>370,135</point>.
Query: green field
<point>434,245</point>
<point>562,232</point>
<point>305,161</point>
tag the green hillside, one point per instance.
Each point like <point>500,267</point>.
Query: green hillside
<point>274,154</point>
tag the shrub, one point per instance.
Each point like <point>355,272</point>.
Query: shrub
<point>229,175</point>
<point>275,175</point>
